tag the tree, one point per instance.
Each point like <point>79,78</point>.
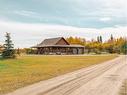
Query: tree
<point>101,39</point>
<point>111,38</point>
<point>112,45</point>
<point>30,51</point>
<point>8,51</point>
<point>76,40</point>
<point>98,39</point>
<point>124,48</point>
<point>18,51</point>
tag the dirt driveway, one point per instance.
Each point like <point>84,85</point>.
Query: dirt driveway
<point>101,79</point>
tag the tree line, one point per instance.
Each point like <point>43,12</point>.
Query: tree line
<point>98,46</point>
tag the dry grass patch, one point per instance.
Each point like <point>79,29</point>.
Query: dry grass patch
<point>25,70</point>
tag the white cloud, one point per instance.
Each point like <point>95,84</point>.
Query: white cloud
<point>99,8</point>
<point>76,12</point>
<point>26,13</point>
<point>26,35</point>
<point>105,19</point>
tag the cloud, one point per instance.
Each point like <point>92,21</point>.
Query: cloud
<point>26,13</point>
<point>26,35</point>
<point>78,13</point>
<point>105,19</point>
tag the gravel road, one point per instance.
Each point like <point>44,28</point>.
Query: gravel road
<point>101,79</point>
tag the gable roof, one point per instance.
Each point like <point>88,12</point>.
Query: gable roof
<point>52,41</point>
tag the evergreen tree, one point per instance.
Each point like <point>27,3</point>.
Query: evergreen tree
<point>8,51</point>
<point>101,39</point>
<point>111,37</point>
<point>98,39</point>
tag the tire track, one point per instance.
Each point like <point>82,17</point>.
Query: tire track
<point>70,86</point>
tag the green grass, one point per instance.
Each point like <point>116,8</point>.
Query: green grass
<point>25,70</point>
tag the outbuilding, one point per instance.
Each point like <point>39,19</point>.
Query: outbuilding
<point>58,46</point>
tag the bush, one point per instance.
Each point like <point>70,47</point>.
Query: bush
<point>124,48</point>
<point>97,51</point>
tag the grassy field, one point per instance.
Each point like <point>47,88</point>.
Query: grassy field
<point>25,70</point>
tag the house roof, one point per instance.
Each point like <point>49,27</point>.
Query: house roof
<point>58,46</point>
<point>52,42</point>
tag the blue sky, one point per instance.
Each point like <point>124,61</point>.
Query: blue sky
<point>39,19</point>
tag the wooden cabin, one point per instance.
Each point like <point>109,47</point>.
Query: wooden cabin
<point>58,46</point>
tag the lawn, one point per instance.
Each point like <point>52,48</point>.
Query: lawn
<point>25,70</point>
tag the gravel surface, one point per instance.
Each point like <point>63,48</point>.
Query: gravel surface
<point>123,90</point>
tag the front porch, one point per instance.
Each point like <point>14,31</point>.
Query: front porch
<point>60,50</point>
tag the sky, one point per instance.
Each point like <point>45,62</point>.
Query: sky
<point>31,21</point>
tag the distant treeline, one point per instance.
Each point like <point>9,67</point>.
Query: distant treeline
<point>98,46</point>
<point>112,45</point>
